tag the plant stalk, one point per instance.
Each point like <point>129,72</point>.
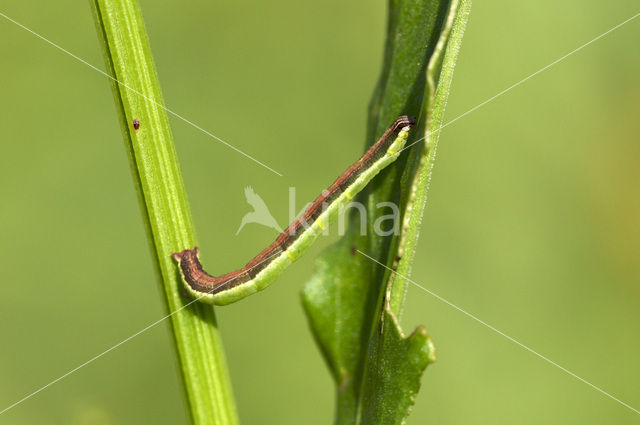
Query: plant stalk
<point>165,208</point>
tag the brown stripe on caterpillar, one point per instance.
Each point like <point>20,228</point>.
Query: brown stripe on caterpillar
<point>376,151</point>
<point>380,147</point>
<point>262,260</point>
<point>201,281</point>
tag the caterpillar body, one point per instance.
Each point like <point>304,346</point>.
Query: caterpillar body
<point>291,244</point>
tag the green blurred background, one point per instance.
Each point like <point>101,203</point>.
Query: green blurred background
<point>532,221</point>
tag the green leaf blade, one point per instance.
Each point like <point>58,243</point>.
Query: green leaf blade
<point>396,361</point>
<point>353,304</point>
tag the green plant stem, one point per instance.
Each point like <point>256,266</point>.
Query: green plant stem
<point>165,208</point>
<point>353,304</point>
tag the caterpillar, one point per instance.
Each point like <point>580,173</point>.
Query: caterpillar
<point>261,271</point>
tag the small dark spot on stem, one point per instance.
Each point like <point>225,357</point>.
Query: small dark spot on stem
<point>136,124</point>
<point>353,250</point>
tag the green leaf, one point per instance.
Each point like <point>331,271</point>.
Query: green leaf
<point>165,207</point>
<point>354,304</point>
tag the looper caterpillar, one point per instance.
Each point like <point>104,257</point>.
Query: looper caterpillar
<point>289,246</point>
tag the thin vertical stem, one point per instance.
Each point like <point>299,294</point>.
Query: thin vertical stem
<point>165,208</point>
